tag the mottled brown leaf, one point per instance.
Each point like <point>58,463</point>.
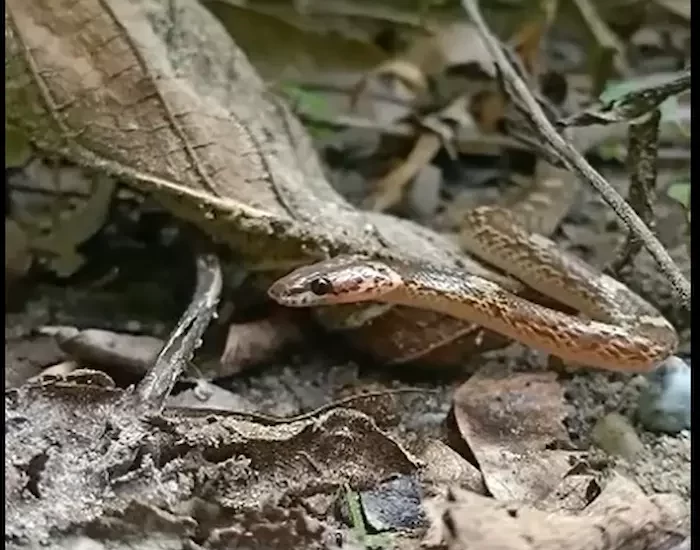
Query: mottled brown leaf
<point>513,425</point>
<point>61,431</point>
<point>159,95</point>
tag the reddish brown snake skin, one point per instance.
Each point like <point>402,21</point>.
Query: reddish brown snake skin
<point>620,332</point>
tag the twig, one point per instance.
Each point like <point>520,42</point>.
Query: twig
<point>269,420</point>
<point>575,161</point>
<point>185,338</point>
<point>641,162</point>
<point>604,36</point>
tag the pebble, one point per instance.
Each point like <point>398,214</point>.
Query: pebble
<point>616,436</point>
<point>664,405</point>
<point>394,504</point>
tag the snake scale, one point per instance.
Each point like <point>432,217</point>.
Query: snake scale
<point>615,328</point>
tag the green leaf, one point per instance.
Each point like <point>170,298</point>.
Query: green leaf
<point>616,90</point>
<point>17,147</point>
<point>629,100</point>
<point>376,542</point>
<point>680,191</point>
<point>309,102</point>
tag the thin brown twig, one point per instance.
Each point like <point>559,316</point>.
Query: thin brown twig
<point>576,162</point>
<point>277,420</point>
<point>642,161</point>
<point>604,35</point>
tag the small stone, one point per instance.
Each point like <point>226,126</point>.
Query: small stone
<point>616,436</point>
<point>395,504</point>
<point>664,405</point>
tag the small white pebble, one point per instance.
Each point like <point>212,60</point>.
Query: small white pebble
<point>664,405</point>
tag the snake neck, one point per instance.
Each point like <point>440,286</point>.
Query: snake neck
<point>437,290</point>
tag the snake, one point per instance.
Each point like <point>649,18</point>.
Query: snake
<point>615,329</point>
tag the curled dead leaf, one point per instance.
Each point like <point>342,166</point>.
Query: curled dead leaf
<point>235,463</point>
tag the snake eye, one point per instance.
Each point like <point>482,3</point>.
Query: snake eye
<point>321,286</point>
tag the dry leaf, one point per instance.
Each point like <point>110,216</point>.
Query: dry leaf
<point>444,467</point>
<point>621,518</point>
<point>512,424</point>
<point>488,109</point>
<point>391,188</point>
<point>679,7</point>
<point>281,42</point>
<point>527,39</point>
<point>107,459</point>
<point>28,356</point>
<point>253,343</point>
<point>112,351</point>
<point>217,150</point>
<point>59,208</point>
<point>457,43</point>
<point>404,72</point>
<point>605,38</point>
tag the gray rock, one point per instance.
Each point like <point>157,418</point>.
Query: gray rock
<point>664,405</point>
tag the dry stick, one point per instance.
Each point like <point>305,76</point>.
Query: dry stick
<point>575,161</point>
<point>185,337</point>
<point>604,36</point>
<point>269,420</point>
<point>642,159</point>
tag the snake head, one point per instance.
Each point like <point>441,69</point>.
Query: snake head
<point>340,280</point>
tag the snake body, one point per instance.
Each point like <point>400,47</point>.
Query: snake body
<point>396,335</point>
<point>620,330</point>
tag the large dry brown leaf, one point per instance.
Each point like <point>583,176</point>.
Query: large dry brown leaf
<point>160,95</point>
